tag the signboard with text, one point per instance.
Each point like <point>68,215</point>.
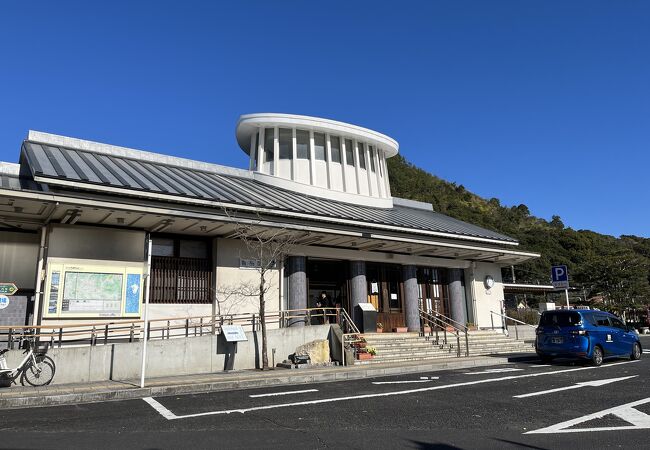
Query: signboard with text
<point>560,277</point>
<point>233,333</point>
<point>8,288</point>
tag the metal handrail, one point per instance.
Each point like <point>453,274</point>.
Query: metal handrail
<point>504,323</point>
<point>125,330</point>
<point>436,321</point>
<point>348,320</point>
<point>449,319</point>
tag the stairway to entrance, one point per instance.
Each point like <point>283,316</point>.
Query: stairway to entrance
<point>399,347</point>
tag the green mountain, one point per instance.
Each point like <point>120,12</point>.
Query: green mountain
<point>599,265</point>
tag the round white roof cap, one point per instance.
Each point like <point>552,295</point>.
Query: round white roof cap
<point>250,123</point>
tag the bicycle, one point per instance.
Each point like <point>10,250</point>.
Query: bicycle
<point>36,368</point>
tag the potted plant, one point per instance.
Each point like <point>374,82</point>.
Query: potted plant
<point>360,344</point>
<point>380,327</point>
<point>400,330</point>
<point>363,354</point>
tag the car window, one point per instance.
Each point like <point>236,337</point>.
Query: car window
<point>617,323</point>
<point>562,319</point>
<point>602,321</point>
<point>590,318</point>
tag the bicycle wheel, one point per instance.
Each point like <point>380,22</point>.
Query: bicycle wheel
<point>39,374</point>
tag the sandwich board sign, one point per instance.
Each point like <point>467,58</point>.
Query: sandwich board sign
<point>560,277</point>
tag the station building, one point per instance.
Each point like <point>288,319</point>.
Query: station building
<point>75,216</point>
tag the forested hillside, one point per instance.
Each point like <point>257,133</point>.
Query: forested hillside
<point>617,268</point>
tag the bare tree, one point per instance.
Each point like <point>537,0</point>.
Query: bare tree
<point>269,248</point>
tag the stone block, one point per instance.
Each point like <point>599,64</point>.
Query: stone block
<point>318,351</point>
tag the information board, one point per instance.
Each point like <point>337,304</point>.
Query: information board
<point>233,333</point>
<point>367,307</point>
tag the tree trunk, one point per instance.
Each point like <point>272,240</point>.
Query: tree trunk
<point>265,356</point>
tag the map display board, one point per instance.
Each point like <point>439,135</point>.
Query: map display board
<point>90,288</point>
<point>88,292</point>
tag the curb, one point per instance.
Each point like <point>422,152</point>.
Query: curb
<point>216,386</point>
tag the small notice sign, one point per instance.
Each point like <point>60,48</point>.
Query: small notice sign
<point>233,333</point>
<point>4,301</point>
<point>8,288</point>
<point>367,307</point>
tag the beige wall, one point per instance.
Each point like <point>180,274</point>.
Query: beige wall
<point>485,300</point>
<point>231,278</point>
<point>18,258</point>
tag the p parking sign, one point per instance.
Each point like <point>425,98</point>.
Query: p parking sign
<point>560,277</point>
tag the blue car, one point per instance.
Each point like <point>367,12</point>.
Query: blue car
<point>585,334</point>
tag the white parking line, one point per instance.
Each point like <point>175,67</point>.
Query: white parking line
<point>401,382</point>
<point>500,370</point>
<point>167,414</point>
<point>637,420</point>
<point>540,365</point>
<point>273,394</point>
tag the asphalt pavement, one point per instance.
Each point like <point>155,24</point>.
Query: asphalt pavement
<point>520,405</point>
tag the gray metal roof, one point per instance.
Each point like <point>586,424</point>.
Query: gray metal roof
<point>94,168</point>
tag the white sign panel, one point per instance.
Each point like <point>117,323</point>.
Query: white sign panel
<point>4,301</point>
<point>367,307</point>
<point>233,333</point>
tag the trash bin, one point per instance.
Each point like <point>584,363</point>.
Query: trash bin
<point>365,317</point>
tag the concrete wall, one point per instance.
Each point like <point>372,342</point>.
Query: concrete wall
<point>485,300</point>
<point>182,356</point>
<point>18,257</point>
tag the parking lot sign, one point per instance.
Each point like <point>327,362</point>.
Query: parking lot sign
<point>560,277</point>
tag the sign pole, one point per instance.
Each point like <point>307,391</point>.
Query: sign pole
<point>566,294</point>
<point>146,314</point>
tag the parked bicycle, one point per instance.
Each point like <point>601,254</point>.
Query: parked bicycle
<point>36,368</point>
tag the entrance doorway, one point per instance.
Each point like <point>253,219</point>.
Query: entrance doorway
<point>433,295</point>
<point>385,292</point>
<point>330,276</point>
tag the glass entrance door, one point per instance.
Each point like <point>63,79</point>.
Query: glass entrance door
<point>432,291</point>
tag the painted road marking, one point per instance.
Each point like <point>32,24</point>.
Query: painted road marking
<point>400,382</point>
<point>594,383</point>
<point>429,378</point>
<point>540,365</point>
<point>636,419</point>
<point>646,351</point>
<point>501,370</point>
<point>272,394</point>
<point>167,414</point>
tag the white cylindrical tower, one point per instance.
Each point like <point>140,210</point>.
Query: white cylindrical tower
<point>319,157</point>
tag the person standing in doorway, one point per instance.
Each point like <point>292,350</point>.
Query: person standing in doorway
<point>323,301</point>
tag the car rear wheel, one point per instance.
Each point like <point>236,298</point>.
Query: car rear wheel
<point>636,352</point>
<point>597,356</point>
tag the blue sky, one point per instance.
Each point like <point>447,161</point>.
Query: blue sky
<point>545,103</point>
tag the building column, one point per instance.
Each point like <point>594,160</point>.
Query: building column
<point>411,312</point>
<point>296,267</point>
<point>358,286</point>
<point>457,296</point>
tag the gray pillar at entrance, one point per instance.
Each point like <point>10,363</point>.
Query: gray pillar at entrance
<point>358,285</point>
<point>297,285</point>
<point>457,302</point>
<point>411,312</point>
